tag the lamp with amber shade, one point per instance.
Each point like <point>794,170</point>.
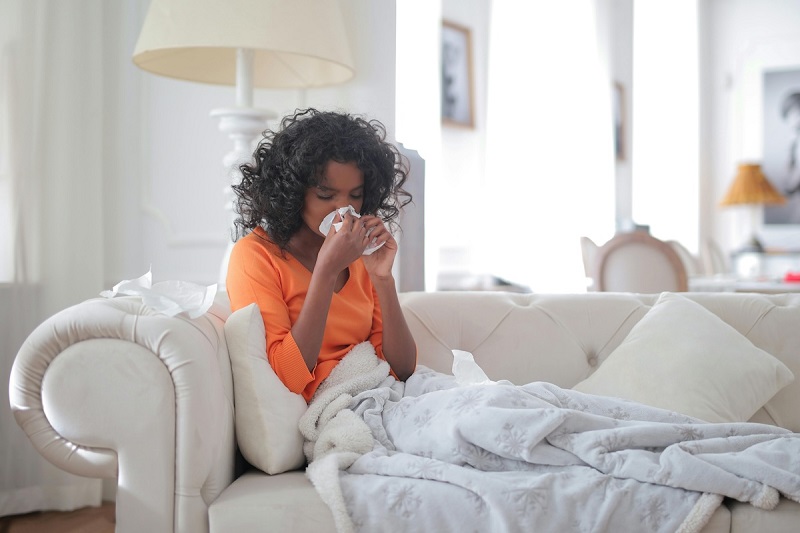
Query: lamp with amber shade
<point>752,189</point>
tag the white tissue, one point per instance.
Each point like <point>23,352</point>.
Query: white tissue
<point>466,370</point>
<point>325,225</point>
<point>167,297</point>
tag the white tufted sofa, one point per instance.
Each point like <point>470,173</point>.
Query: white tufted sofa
<point>108,388</point>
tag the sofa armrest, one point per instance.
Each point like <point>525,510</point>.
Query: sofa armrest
<point>109,388</point>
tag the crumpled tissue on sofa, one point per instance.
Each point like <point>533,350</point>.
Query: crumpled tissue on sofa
<point>167,297</point>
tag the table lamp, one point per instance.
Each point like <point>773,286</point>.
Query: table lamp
<point>280,44</point>
<point>752,188</point>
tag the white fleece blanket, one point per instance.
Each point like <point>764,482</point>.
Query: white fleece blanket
<point>388,456</point>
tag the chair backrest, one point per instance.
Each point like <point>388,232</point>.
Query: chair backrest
<point>691,262</point>
<point>714,261</point>
<point>638,262</point>
<point>589,254</point>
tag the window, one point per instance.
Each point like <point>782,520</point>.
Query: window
<point>666,119</point>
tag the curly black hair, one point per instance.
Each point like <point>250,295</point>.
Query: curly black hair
<point>289,161</point>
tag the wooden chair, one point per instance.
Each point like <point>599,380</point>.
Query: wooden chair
<point>638,262</point>
<point>589,255</point>
<point>714,260</point>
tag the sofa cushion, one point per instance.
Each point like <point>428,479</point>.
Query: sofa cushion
<point>256,502</point>
<point>682,357</point>
<point>267,413</point>
<point>782,519</point>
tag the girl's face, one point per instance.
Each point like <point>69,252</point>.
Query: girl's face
<point>342,184</point>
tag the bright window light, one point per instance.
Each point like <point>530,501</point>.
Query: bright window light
<point>550,158</point>
<point>666,119</point>
<point>417,113</point>
<point>547,177</point>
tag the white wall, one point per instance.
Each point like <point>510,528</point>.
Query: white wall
<point>739,38</point>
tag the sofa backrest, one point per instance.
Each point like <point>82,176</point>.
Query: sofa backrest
<point>563,338</point>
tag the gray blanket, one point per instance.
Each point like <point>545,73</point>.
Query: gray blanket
<point>432,455</point>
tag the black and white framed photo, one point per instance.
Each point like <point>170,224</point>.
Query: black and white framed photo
<point>781,164</point>
<point>457,98</point>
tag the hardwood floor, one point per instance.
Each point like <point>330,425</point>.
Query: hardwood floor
<point>86,520</point>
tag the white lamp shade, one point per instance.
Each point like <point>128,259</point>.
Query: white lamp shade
<point>296,43</point>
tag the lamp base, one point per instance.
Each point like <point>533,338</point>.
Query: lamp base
<point>243,125</point>
<point>752,245</point>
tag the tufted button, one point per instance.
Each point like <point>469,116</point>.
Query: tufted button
<point>592,360</point>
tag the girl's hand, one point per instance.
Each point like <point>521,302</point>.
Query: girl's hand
<point>342,247</point>
<point>379,263</point>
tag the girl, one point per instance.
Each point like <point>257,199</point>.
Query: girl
<point>318,294</point>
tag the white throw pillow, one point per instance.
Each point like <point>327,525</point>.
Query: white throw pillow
<point>682,357</point>
<point>267,413</point>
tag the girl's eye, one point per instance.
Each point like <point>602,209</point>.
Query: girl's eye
<point>356,196</point>
<point>325,197</point>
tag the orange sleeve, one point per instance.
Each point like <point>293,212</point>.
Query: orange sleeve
<point>253,277</point>
<point>376,333</point>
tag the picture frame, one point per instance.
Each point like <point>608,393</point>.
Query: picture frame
<point>457,100</point>
<point>618,111</point>
<point>781,142</point>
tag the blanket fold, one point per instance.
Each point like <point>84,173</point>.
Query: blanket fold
<point>385,456</point>
<point>359,371</point>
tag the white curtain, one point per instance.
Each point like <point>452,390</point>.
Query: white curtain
<point>549,144</point>
<point>51,162</point>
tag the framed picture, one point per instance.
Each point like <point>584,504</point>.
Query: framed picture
<point>781,155</point>
<point>457,98</point>
<point>618,108</point>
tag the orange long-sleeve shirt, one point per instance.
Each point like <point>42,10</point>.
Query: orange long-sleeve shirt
<point>278,283</point>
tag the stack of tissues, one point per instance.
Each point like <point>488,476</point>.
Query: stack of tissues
<point>167,297</point>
